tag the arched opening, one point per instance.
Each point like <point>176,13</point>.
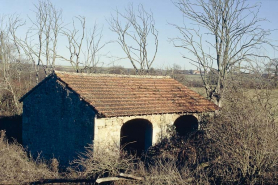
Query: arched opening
<point>136,136</point>
<point>186,124</point>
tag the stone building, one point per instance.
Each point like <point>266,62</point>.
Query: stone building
<point>67,111</point>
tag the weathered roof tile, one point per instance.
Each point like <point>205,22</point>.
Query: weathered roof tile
<point>122,95</point>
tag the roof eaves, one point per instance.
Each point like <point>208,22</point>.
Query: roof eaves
<point>146,114</point>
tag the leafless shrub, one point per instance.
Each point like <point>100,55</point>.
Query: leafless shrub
<point>110,161</point>
<point>190,150</point>
<point>162,172</point>
<point>237,146</point>
<point>102,161</point>
<point>17,167</point>
<point>246,136</point>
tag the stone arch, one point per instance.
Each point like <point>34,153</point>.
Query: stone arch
<point>136,135</point>
<point>186,124</point>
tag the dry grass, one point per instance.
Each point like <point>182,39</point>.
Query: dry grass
<point>199,90</point>
<point>17,167</point>
<point>251,93</point>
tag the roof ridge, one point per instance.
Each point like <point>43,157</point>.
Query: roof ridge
<point>110,75</point>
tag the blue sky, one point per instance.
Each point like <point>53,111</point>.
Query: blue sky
<point>164,12</point>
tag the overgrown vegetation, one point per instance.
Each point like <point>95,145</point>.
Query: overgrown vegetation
<point>102,161</point>
<point>17,167</point>
<point>245,137</point>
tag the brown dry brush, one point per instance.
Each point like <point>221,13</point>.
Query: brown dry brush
<point>190,155</point>
<point>18,168</point>
<point>246,136</point>
<point>239,145</point>
<point>161,172</point>
<point>110,161</point>
<point>105,160</point>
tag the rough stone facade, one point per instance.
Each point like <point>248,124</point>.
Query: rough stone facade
<point>109,129</point>
<point>56,123</point>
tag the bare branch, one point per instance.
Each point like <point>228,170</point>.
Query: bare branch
<point>84,45</point>
<point>233,34</point>
<point>133,36</point>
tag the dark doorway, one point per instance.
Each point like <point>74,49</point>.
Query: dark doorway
<point>136,136</point>
<point>186,124</point>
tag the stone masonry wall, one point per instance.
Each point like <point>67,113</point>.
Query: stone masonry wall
<point>108,130</point>
<point>56,123</point>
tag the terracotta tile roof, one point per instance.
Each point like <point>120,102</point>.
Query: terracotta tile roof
<point>122,95</point>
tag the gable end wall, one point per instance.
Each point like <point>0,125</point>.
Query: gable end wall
<point>56,121</point>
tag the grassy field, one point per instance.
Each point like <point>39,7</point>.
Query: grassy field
<point>274,97</point>
<point>253,93</point>
<point>272,93</point>
<point>199,90</point>
<point>193,77</point>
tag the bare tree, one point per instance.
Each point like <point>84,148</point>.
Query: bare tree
<point>134,36</point>
<point>93,46</point>
<point>40,43</point>
<point>84,46</point>
<point>223,34</point>
<point>9,63</point>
